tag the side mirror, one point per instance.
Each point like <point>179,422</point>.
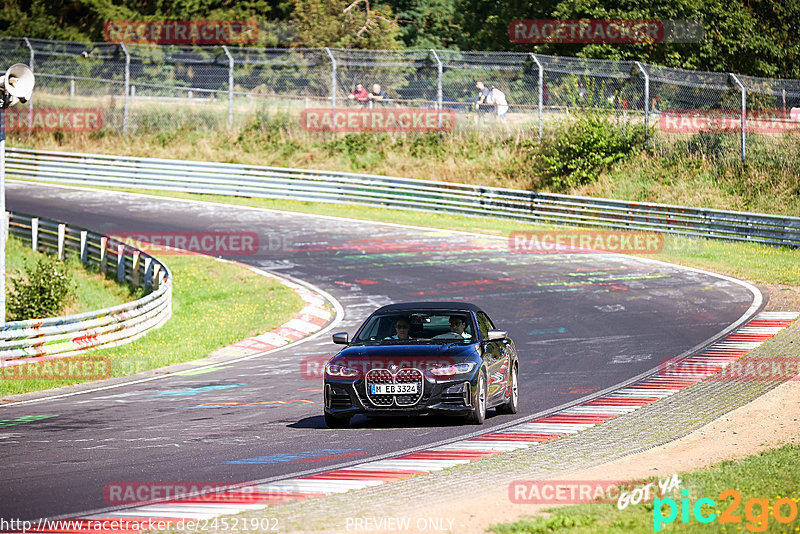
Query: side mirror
<point>497,335</point>
<point>341,338</point>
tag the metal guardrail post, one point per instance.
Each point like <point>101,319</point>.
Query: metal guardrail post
<point>743,91</point>
<point>541,91</point>
<point>646,103</point>
<point>104,255</point>
<point>35,233</point>
<point>62,233</point>
<point>121,263</point>
<point>230,86</point>
<point>127,87</point>
<point>30,102</point>
<point>439,98</point>
<point>84,246</point>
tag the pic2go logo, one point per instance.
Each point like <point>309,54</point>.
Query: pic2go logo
<point>757,522</point>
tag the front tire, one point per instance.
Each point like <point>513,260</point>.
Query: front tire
<point>478,413</point>
<point>513,402</point>
<point>337,421</point>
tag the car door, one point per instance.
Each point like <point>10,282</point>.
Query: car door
<point>494,354</point>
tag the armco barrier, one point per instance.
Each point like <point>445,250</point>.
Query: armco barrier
<point>398,193</point>
<point>58,337</point>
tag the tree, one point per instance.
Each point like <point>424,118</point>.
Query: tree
<point>345,24</point>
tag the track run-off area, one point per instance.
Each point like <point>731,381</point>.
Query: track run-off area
<point>582,324</point>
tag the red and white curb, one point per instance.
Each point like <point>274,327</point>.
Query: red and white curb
<point>312,318</point>
<point>568,421</point>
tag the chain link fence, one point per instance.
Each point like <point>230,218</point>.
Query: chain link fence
<point>141,88</point>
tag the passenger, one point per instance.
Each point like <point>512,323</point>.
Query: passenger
<point>458,326</point>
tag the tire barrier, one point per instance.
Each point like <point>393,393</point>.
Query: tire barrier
<point>59,337</point>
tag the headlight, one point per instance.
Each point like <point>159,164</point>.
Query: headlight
<point>340,370</point>
<point>452,370</point>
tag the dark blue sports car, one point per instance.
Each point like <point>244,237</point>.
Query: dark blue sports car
<point>422,358</point>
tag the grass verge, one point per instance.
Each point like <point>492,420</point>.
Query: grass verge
<point>93,291</point>
<point>214,304</point>
<point>761,480</point>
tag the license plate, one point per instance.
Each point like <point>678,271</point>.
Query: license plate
<point>394,389</point>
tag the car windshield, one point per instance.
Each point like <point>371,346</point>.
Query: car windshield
<point>418,327</point>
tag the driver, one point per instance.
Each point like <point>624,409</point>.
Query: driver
<point>401,327</point>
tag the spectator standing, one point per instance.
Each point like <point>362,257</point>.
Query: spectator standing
<point>499,98</point>
<point>378,95</point>
<point>359,94</point>
<point>484,95</point>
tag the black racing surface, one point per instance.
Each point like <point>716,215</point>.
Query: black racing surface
<point>581,323</point>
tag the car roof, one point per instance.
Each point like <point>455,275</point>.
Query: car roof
<point>405,306</point>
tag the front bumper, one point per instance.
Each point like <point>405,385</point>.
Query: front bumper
<point>450,397</point>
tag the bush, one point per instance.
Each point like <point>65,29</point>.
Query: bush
<point>43,291</point>
<point>582,148</point>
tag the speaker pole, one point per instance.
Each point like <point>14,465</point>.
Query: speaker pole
<point>3,218</point>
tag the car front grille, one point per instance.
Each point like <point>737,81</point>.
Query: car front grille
<point>401,376</point>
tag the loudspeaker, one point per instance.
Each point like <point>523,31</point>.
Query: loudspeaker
<point>17,84</point>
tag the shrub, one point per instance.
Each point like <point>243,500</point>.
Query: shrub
<point>582,148</point>
<point>43,291</point>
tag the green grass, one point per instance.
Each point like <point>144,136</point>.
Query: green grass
<point>770,475</point>
<point>214,304</point>
<point>92,292</point>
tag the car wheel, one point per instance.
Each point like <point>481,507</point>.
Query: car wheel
<point>513,401</point>
<point>337,421</point>
<point>478,413</point>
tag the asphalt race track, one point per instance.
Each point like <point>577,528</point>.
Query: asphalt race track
<point>581,322</point>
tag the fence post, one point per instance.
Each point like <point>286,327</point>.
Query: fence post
<point>148,271</point>
<point>121,263</point>
<point>127,87</point>
<point>135,267</point>
<point>333,79</point>
<point>540,91</point>
<point>743,91</point>
<point>62,231</point>
<point>439,71</point>
<point>30,102</point>
<point>104,255</point>
<point>230,86</point>
<point>35,233</point>
<point>84,246</point>
<point>646,103</point>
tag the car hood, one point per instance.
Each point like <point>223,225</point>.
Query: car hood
<point>405,351</point>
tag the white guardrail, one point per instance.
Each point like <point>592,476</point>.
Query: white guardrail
<point>397,193</point>
<point>59,337</point>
